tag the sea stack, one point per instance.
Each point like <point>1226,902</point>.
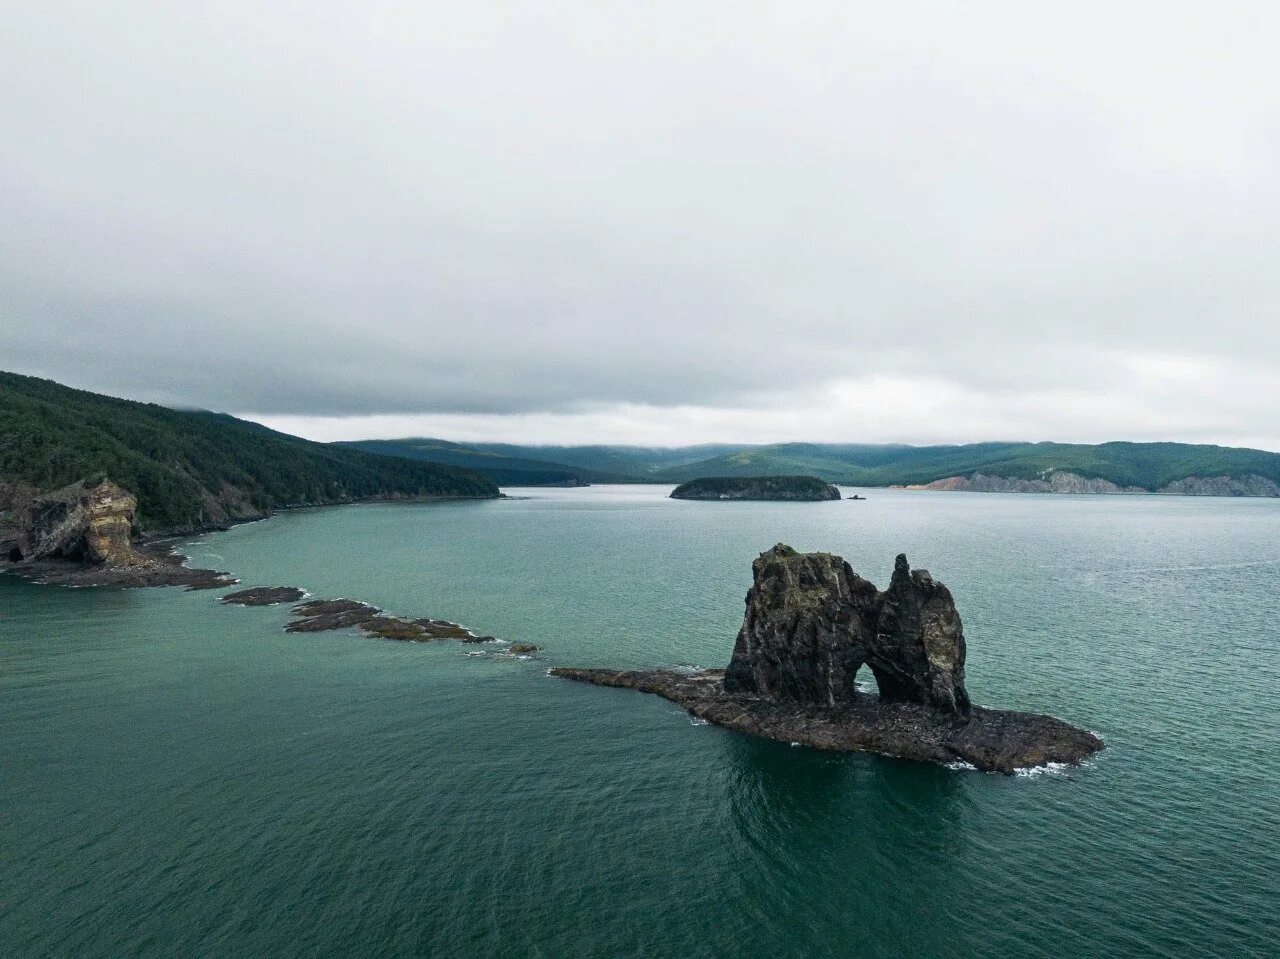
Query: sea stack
<point>811,625</point>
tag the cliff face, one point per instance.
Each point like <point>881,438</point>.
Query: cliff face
<point>809,624</point>
<point>1058,481</point>
<point>812,623</point>
<point>1061,481</point>
<point>90,522</point>
<point>1222,486</point>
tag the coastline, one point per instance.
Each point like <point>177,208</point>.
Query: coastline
<point>162,564</point>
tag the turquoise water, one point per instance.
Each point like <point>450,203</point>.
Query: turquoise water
<point>180,778</point>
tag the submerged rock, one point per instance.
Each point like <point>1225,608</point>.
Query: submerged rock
<point>264,596</point>
<point>321,615</point>
<point>393,627</point>
<point>522,649</point>
<point>811,624</point>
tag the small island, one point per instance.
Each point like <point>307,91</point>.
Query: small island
<point>798,489</point>
<point>811,624</point>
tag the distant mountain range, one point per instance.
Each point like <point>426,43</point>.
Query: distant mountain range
<point>191,470</point>
<point>194,470</point>
<point>1048,467</point>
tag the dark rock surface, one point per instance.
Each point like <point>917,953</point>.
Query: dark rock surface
<point>321,615</point>
<point>264,596</point>
<point>781,488</point>
<point>989,739</point>
<point>811,623</point>
<point>522,649</point>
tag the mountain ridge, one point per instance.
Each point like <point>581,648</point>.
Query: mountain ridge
<point>1194,469</point>
<point>192,470</point>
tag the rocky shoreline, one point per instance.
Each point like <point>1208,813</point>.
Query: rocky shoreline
<point>811,624</point>
<point>994,740</point>
<point>1062,481</point>
<point>81,535</point>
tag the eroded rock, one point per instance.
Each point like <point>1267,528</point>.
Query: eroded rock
<point>81,535</point>
<point>811,624</point>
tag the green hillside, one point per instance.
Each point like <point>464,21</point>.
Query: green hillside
<point>1147,465</point>
<point>193,469</point>
<point>516,468</point>
<point>1150,466</point>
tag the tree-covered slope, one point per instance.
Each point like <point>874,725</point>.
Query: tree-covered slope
<point>193,469</point>
<point>1149,466</point>
<point>505,468</point>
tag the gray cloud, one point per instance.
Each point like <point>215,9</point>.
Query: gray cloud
<point>605,217</point>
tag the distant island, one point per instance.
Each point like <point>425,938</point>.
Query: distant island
<point>811,625</point>
<point>1176,469</point>
<point>808,489</point>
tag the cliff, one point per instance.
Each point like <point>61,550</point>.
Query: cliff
<point>82,535</point>
<point>90,522</point>
<point>811,625</point>
<point>782,488</point>
<point>1062,481</point>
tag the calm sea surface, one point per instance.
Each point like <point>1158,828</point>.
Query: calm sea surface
<point>180,778</point>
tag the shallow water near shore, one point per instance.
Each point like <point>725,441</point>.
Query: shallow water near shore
<point>178,777</point>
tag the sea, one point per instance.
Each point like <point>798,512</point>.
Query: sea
<point>179,777</point>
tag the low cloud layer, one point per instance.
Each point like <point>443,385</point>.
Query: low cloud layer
<point>660,224</point>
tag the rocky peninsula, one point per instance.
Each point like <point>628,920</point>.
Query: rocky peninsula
<point>805,489</point>
<point>811,625</point>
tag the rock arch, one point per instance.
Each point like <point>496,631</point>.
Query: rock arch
<point>812,623</point>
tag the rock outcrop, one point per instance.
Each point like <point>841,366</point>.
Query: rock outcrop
<point>806,489</point>
<point>90,522</point>
<point>81,535</point>
<point>1062,481</point>
<point>811,624</point>
<point>1054,481</point>
<point>1252,485</point>
<point>264,596</point>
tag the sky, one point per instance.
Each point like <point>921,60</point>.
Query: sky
<point>658,223</point>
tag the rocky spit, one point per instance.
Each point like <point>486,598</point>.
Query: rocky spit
<point>811,624</point>
<point>82,536</point>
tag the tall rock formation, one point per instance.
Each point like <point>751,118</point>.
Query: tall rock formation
<point>812,623</point>
<point>90,522</point>
<point>918,653</point>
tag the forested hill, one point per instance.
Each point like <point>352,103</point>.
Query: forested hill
<point>192,470</point>
<point>1015,467</point>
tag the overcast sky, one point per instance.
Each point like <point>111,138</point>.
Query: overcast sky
<point>656,223</point>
